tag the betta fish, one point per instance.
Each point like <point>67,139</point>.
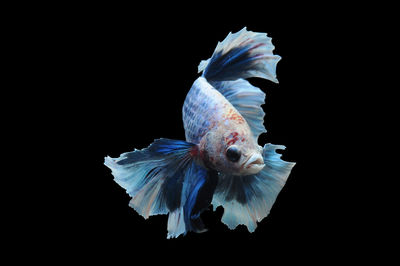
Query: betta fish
<point>220,163</point>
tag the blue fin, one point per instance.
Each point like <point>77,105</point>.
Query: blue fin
<point>248,199</point>
<point>247,99</point>
<point>244,54</point>
<point>198,189</point>
<point>163,178</point>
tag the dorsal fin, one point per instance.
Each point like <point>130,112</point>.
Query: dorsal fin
<point>242,55</point>
<point>247,99</point>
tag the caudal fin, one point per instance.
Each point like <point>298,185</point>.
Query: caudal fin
<point>244,54</point>
<point>164,178</point>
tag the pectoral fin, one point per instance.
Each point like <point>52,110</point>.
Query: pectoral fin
<point>248,199</point>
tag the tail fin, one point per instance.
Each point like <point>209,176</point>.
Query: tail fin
<point>164,178</point>
<point>243,55</point>
<point>248,199</point>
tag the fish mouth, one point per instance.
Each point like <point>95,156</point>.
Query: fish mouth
<point>254,164</point>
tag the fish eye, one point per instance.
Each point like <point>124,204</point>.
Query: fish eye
<point>233,154</point>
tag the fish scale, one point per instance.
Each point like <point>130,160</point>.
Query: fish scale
<point>203,108</point>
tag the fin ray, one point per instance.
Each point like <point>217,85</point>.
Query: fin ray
<point>145,175</point>
<point>243,54</point>
<point>165,178</point>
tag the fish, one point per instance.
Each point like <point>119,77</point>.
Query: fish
<point>220,162</point>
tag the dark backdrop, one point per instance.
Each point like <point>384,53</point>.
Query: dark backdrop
<point>123,78</point>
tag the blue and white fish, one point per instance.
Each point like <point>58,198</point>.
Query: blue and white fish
<point>220,163</point>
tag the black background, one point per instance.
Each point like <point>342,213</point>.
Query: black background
<point>118,76</point>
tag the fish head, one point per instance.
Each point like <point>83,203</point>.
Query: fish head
<point>232,151</point>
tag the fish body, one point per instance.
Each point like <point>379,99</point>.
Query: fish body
<point>213,123</point>
<point>220,162</point>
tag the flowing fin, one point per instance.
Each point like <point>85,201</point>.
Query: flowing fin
<point>243,54</point>
<point>152,176</point>
<point>176,223</point>
<point>198,191</point>
<point>247,99</point>
<point>163,178</point>
<point>248,199</point>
